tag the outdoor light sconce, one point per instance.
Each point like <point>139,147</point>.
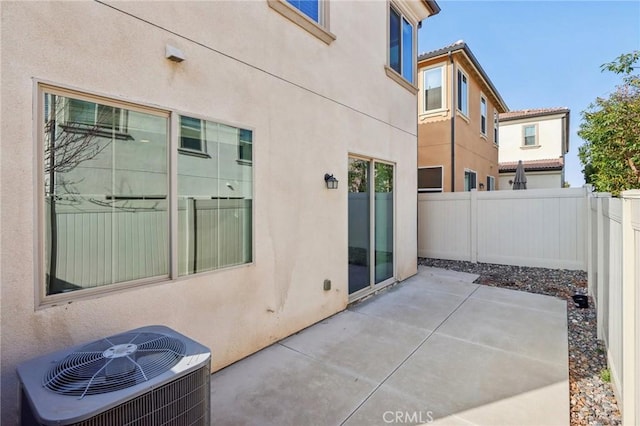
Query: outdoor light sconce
<point>332,182</point>
<point>481,185</point>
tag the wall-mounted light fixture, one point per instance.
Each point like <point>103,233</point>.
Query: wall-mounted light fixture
<point>481,185</point>
<point>332,182</point>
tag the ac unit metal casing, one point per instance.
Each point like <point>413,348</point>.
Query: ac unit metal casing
<point>169,393</point>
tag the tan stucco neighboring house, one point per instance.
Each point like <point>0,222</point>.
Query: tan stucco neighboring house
<point>538,137</point>
<point>458,109</point>
<point>165,164</point>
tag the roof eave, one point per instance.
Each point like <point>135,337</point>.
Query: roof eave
<point>433,7</point>
<point>564,111</point>
<point>444,52</point>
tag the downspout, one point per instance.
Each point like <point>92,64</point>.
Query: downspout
<point>453,124</point>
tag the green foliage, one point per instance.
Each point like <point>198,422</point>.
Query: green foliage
<point>605,375</point>
<point>611,130</point>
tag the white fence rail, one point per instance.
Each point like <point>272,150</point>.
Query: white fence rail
<point>560,228</point>
<point>543,227</point>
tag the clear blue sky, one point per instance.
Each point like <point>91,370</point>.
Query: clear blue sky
<point>541,54</point>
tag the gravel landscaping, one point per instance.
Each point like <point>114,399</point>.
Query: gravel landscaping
<point>592,401</point>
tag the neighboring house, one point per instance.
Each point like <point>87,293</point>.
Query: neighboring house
<point>538,137</point>
<point>458,111</point>
<point>166,165</point>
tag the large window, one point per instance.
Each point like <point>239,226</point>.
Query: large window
<point>400,44</point>
<point>433,89</point>
<point>463,93</point>
<point>430,179</point>
<point>470,178</point>
<point>483,115</point>
<point>107,205</point>
<point>530,138</point>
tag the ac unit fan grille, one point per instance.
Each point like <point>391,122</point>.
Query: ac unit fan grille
<point>114,363</point>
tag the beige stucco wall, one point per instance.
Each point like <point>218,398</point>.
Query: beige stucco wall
<point>310,106</point>
<point>550,129</point>
<point>473,150</point>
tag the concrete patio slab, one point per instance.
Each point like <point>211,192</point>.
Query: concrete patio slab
<point>349,338</point>
<point>527,332</point>
<point>418,353</point>
<point>447,273</point>
<point>411,305</point>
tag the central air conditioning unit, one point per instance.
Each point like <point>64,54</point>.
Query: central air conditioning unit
<point>147,376</point>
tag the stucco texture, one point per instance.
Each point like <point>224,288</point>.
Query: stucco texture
<point>311,105</point>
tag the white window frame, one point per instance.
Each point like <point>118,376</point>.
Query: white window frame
<point>464,96</point>
<point>496,129</point>
<point>172,116</point>
<point>491,183</point>
<point>535,136</point>
<point>443,102</point>
<point>399,77</point>
<point>441,189</point>
<point>483,115</point>
<point>476,179</point>
<point>318,29</point>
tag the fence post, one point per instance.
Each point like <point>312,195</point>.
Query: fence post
<point>473,215</point>
<point>591,277</point>
<point>630,304</point>
<point>600,275</point>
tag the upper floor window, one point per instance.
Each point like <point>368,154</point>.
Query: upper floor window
<point>463,93</point>
<point>400,44</point>
<point>311,8</point>
<point>245,146</point>
<point>483,115</point>
<point>433,89</point>
<point>311,15</point>
<point>192,134</point>
<point>495,127</point>
<point>530,135</point>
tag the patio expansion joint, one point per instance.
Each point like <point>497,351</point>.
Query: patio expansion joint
<point>494,348</point>
<point>383,381</point>
<point>333,366</point>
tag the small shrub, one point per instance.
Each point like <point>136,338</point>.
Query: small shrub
<point>605,375</point>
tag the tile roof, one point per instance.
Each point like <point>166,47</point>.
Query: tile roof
<point>535,112</point>
<point>460,45</point>
<point>533,165</point>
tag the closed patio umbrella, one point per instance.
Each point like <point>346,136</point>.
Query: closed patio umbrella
<point>520,180</point>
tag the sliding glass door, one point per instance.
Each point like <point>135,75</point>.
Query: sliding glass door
<point>371,224</point>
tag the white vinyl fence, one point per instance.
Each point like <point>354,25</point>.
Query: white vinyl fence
<point>614,282</point>
<point>557,228</point>
<point>539,227</point>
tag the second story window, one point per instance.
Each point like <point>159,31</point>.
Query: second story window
<point>495,127</point>
<point>463,93</point>
<point>483,115</point>
<point>191,134</point>
<point>311,8</point>
<point>529,135</point>
<point>433,99</point>
<point>400,44</point>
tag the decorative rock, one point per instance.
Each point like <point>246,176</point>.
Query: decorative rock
<point>592,401</point>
